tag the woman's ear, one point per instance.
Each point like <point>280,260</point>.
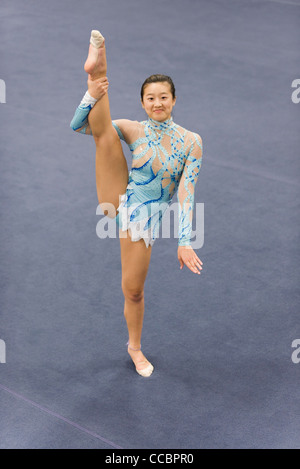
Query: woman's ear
<point>142,104</point>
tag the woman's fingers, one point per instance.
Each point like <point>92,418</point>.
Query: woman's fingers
<point>98,88</point>
<point>194,269</point>
<point>98,80</point>
<point>189,258</point>
<point>194,265</point>
<point>198,260</point>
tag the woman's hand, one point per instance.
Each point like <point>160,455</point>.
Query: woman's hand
<point>187,256</point>
<point>97,88</point>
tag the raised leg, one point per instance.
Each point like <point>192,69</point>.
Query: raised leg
<point>111,165</point>
<point>135,258</point>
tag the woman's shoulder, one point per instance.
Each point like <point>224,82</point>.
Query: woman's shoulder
<point>127,124</point>
<point>196,138</point>
<point>127,129</point>
<point>191,136</point>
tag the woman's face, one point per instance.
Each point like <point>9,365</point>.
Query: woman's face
<point>158,101</point>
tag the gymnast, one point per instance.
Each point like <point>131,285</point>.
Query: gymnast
<point>165,158</point>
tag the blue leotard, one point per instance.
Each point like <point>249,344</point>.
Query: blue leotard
<point>165,158</point>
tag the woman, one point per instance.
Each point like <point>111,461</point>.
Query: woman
<point>166,157</point>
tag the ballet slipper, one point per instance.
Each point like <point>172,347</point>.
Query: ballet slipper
<point>145,372</point>
<point>96,39</point>
<point>95,64</point>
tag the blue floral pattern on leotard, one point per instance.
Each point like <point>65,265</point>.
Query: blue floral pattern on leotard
<point>165,158</point>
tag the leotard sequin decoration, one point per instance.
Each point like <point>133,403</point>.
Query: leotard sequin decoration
<point>165,158</point>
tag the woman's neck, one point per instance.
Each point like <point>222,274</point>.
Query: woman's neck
<point>161,125</point>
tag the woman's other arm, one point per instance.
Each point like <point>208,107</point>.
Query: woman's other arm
<point>96,90</point>
<point>185,195</point>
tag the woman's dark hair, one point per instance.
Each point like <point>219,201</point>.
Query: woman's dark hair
<point>158,79</point>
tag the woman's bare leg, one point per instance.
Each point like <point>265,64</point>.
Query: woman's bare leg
<point>111,165</point>
<point>135,258</point>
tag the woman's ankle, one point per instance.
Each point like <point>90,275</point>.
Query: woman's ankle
<point>134,347</point>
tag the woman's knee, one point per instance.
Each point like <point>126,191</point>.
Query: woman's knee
<point>107,138</point>
<point>133,293</point>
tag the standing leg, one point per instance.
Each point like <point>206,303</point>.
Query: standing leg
<point>135,258</point>
<point>111,165</point>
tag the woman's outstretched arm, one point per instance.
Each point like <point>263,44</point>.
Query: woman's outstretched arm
<point>185,195</point>
<point>96,90</point>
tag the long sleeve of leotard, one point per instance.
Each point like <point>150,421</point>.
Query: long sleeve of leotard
<point>80,122</point>
<point>186,190</point>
